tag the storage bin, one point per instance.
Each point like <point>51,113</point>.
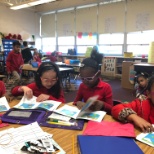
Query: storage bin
<point>128,54</point>
<point>35,64</point>
<point>74,61</point>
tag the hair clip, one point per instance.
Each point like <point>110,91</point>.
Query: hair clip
<point>48,65</point>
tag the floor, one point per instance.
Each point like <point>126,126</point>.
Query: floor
<point>70,90</point>
<point>119,93</point>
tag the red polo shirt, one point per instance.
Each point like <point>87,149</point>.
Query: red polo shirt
<point>102,89</point>
<point>14,62</point>
<point>144,109</point>
<point>38,91</point>
<point>2,88</point>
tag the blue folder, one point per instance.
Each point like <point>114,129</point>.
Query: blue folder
<point>107,145</point>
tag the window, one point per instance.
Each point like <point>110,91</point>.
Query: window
<point>138,42</point>
<point>48,44</point>
<point>111,44</point>
<point>144,37</point>
<point>82,49</point>
<point>87,40</point>
<point>64,49</point>
<point>138,50</point>
<point>110,50</point>
<point>111,38</point>
<point>68,40</point>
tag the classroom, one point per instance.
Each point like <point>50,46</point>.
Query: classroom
<point>76,74</point>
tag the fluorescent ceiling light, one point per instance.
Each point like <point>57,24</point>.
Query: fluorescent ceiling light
<point>29,4</point>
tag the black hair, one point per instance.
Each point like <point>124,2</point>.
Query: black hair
<point>150,83</point>
<point>25,43</point>
<point>93,61</point>
<point>16,43</point>
<point>55,90</point>
<point>142,74</point>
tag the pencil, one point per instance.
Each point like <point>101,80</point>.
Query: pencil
<point>57,123</point>
<point>73,144</point>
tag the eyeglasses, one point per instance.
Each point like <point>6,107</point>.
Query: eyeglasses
<point>49,80</point>
<point>88,78</point>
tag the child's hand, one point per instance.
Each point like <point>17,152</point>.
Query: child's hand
<point>145,126</point>
<point>96,106</point>
<point>80,104</point>
<point>42,97</point>
<point>27,91</point>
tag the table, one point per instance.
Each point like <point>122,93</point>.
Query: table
<point>144,67</point>
<point>64,137</point>
<point>28,67</point>
<point>61,64</point>
<point>64,71</point>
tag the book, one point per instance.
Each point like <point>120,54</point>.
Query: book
<point>147,138</point>
<point>32,104</point>
<point>75,113</point>
<point>107,145</point>
<point>4,106</point>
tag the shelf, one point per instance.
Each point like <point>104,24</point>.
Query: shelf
<point>119,66</point>
<point>118,75</point>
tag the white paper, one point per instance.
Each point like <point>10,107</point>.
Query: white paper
<point>13,138</point>
<point>32,104</point>
<point>59,117</point>
<point>147,138</point>
<point>4,106</point>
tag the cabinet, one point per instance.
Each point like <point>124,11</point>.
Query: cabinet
<point>2,62</point>
<point>7,46</point>
<point>112,66</point>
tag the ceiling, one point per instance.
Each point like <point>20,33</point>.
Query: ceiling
<point>63,4</point>
<point>55,5</point>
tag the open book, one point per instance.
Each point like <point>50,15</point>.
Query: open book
<point>4,106</point>
<point>147,138</point>
<point>32,104</point>
<point>84,113</point>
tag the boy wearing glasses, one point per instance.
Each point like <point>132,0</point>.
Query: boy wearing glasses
<point>93,85</point>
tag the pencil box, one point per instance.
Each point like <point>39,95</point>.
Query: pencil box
<point>18,116</point>
<point>78,126</point>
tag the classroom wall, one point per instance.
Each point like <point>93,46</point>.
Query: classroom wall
<point>24,22</point>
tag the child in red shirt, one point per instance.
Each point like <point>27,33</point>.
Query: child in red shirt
<point>2,89</point>
<point>93,85</point>
<point>139,112</point>
<point>141,85</point>
<point>14,62</point>
<point>36,56</point>
<point>47,84</point>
